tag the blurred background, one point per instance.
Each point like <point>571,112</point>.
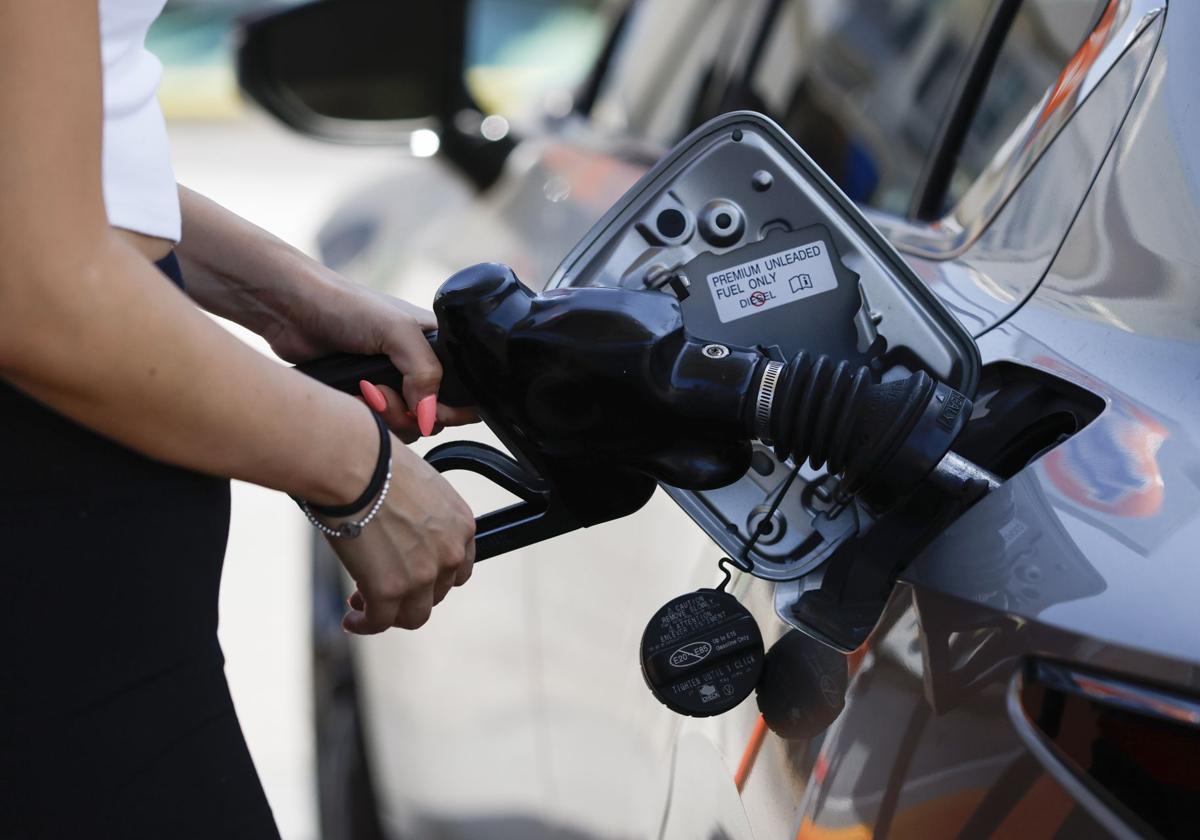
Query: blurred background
<point>290,185</point>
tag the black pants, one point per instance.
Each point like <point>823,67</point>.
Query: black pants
<point>115,717</point>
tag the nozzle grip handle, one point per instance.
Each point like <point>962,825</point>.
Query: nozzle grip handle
<point>343,372</point>
<point>536,517</point>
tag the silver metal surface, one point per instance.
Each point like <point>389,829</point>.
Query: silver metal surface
<point>778,525</point>
<point>715,351</point>
<point>765,399</point>
<point>956,475</point>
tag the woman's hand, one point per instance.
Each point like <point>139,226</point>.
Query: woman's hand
<point>420,544</point>
<point>346,318</point>
<point>305,310</point>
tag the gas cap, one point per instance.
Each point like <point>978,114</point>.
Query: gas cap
<point>803,687</point>
<point>702,653</point>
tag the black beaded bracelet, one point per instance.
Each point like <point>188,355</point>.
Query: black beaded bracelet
<point>374,487</point>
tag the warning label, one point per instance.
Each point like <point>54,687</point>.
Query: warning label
<point>771,281</point>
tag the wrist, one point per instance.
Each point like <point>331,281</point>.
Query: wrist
<point>376,485</point>
<point>347,463</point>
<point>347,521</point>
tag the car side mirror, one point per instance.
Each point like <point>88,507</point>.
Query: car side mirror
<point>360,71</point>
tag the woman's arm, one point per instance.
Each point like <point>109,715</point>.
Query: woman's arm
<point>303,309</point>
<point>88,326</point>
<point>91,329</point>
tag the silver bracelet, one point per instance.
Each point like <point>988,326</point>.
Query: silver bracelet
<point>349,530</point>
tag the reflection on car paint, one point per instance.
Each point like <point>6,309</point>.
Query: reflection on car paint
<point>1071,79</point>
<point>889,766</point>
<point>1012,554</point>
<point>1113,468</point>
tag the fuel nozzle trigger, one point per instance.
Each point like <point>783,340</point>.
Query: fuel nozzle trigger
<point>539,515</point>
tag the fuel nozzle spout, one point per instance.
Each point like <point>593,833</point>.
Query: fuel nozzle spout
<point>883,438</point>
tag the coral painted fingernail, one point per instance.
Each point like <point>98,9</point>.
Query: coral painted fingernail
<point>374,397</point>
<point>426,415</point>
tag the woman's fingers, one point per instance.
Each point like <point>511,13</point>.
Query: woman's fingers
<point>414,610</point>
<point>465,570</point>
<point>419,547</point>
<point>452,576</point>
<point>376,616</point>
<point>409,612</point>
<point>355,622</point>
<point>412,355</point>
<point>468,566</point>
<point>405,423</point>
<point>444,585</point>
<point>397,416</point>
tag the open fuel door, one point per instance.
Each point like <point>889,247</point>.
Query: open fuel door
<point>761,249</point>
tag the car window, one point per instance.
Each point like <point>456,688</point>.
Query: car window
<point>1037,55</point>
<point>668,53</point>
<point>863,86</point>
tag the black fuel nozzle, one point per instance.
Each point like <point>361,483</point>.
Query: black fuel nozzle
<point>596,380</point>
<point>600,393</point>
